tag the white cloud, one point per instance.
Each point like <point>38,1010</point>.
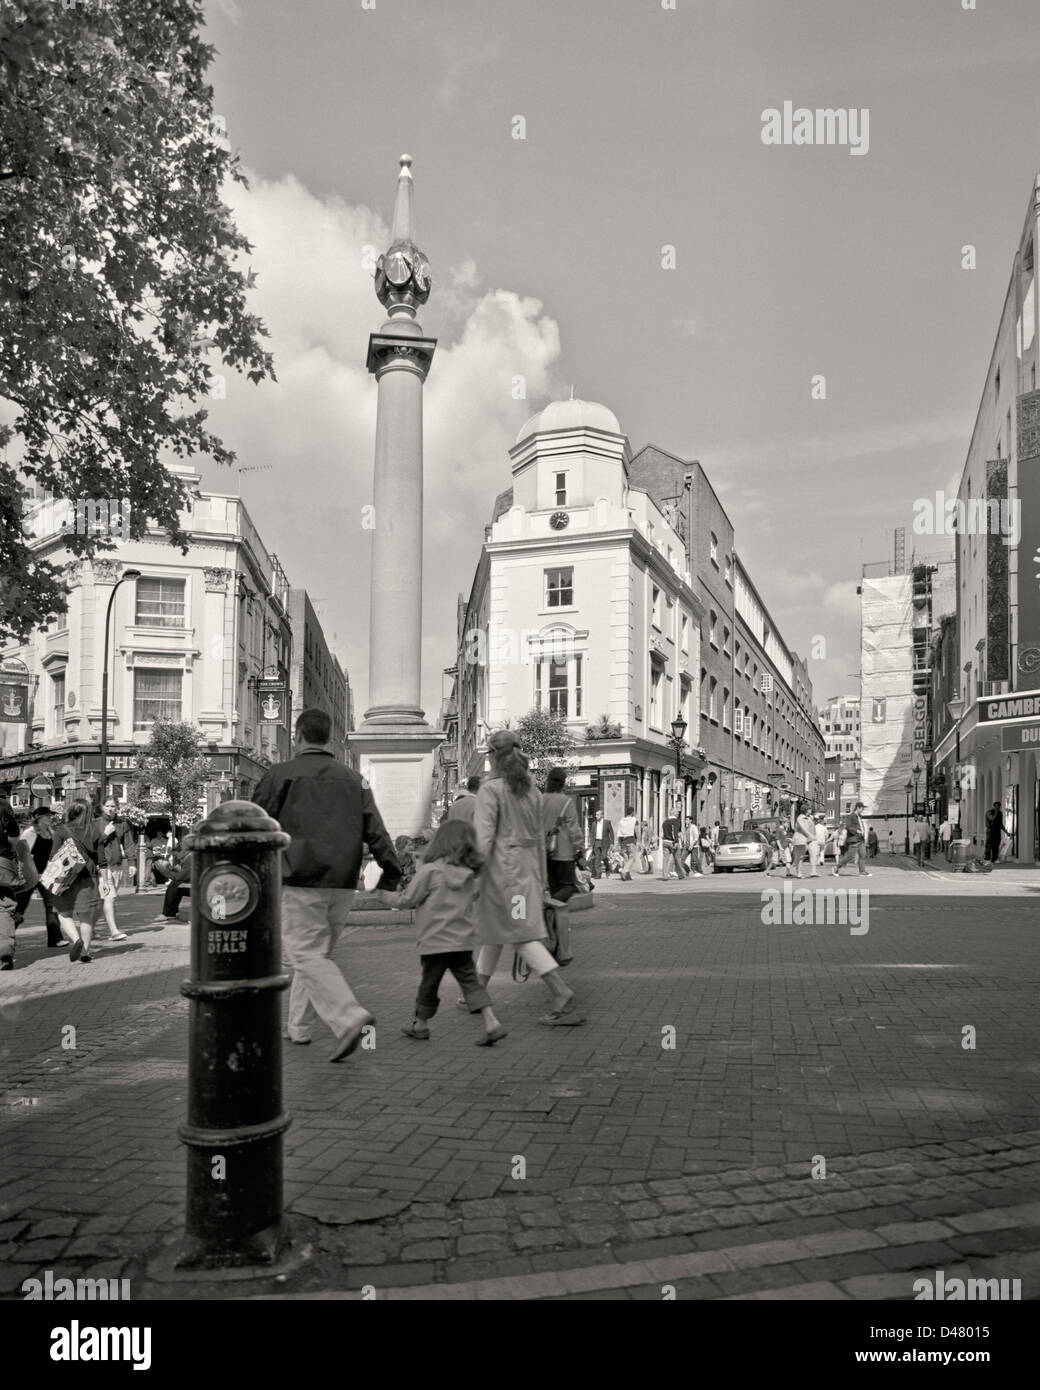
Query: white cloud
<point>465,275</point>
<point>844,447</point>
<point>317,423</point>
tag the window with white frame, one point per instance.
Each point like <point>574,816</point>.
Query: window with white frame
<point>685,690</point>
<point>157,695</point>
<point>656,683</point>
<point>684,635</point>
<point>58,703</point>
<point>558,684</point>
<point>561,489</point>
<point>559,588</point>
<point>729,570</point>
<point>714,551</point>
<point>713,628</point>
<point>655,606</point>
<point>160,602</point>
<point>713,699</point>
<point>725,707</point>
<point>725,639</point>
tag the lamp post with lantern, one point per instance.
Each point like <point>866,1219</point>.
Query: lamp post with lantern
<point>127,574</point>
<point>908,789</point>
<point>677,738</point>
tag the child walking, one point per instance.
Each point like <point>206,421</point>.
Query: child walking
<point>444,892</point>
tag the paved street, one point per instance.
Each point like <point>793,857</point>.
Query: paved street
<point>644,1163</point>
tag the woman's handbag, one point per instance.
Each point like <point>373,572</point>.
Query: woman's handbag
<point>11,874</point>
<point>552,838</point>
<point>557,943</point>
<point>65,866</point>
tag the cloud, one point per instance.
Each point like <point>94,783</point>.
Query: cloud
<point>230,9</point>
<point>317,423</point>
<point>845,447</point>
<point>460,54</point>
<point>465,275</point>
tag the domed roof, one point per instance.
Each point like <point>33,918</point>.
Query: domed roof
<point>571,415</point>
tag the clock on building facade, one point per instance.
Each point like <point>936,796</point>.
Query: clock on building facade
<point>559,520</point>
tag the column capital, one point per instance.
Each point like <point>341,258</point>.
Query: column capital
<point>388,351</point>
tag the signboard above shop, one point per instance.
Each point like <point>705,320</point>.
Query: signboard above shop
<point>1009,707</point>
<point>1020,738</point>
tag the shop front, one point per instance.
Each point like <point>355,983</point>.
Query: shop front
<point>990,760</point>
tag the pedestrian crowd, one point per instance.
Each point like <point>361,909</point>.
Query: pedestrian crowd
<point>78,860</point>
<point>496,875</point>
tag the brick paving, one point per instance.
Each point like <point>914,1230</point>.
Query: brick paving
<point>644,1164</point>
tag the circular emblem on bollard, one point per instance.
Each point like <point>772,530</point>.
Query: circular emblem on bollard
<point>229,892</point>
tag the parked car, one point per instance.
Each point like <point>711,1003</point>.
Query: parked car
<point>742,849</point>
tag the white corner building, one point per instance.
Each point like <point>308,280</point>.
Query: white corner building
<point>582,605</point>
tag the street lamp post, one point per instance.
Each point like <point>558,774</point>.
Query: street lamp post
<point>127,574</point>
<point>906,843</point>
<point>678,742</point>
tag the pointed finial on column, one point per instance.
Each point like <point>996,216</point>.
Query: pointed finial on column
<point>403,228</point>
<point>403,274</point>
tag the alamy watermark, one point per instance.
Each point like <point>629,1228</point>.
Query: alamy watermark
<point>800,125</point>
<point>78,1290</point>
<point>958,1290</point>
<point>108,517</point>
<point>817,907</point>
<point>510,646</point>
<point>953,516</point>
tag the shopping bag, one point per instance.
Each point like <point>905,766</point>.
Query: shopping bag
<point>66,865</point>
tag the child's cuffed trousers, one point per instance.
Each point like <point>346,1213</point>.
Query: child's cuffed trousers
<point>461,965</point>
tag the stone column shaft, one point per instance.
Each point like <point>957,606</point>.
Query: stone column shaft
<point>396,603</point>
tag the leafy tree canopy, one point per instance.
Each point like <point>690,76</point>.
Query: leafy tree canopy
<point>117,271</point>
<point>545,739</point>
<point>174,767</point>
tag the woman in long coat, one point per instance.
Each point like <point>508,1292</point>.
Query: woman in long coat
<point>509,826</point>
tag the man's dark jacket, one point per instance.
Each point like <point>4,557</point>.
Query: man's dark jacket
<point>330,813</point>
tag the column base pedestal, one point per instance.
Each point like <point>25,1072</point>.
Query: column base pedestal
<point>397,762</point>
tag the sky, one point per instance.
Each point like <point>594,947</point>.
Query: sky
<point>643,129</point>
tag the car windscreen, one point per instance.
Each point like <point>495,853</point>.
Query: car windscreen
<point>744,837</point>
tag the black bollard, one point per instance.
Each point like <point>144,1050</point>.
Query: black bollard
<point>235,1116</point>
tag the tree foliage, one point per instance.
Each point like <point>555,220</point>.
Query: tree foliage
<point>174,767</point>
<point>545,739</point>
<point>118,271</point>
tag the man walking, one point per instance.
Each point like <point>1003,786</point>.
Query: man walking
<point>918,834</point>
<point>691,849</point>
<point>671,842</point>
<point>113,834</point>
<point>604,840</point>
<point>802,841</point>
<point>627,844</point>
<point>946,837</point>
<point>39,840</point>
<point>817,845</point>
<point>464,807</point>
<point>329,812</point>
<point>855,832</point>
<point>994,832</point>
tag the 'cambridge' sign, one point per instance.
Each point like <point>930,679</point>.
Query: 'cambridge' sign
<point>1009,707</point>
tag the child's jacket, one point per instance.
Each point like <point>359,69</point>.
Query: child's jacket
<point>444,896</point>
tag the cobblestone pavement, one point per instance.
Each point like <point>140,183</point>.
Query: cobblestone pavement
<point>644,1164</point>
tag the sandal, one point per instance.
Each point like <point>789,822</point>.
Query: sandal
<point>119,936</point>
<point>558,1020</point>
<point>494,1036</point>
<point>414,1031</point>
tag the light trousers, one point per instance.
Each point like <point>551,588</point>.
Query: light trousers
<point>312,920</point>
<point>532,953</point>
